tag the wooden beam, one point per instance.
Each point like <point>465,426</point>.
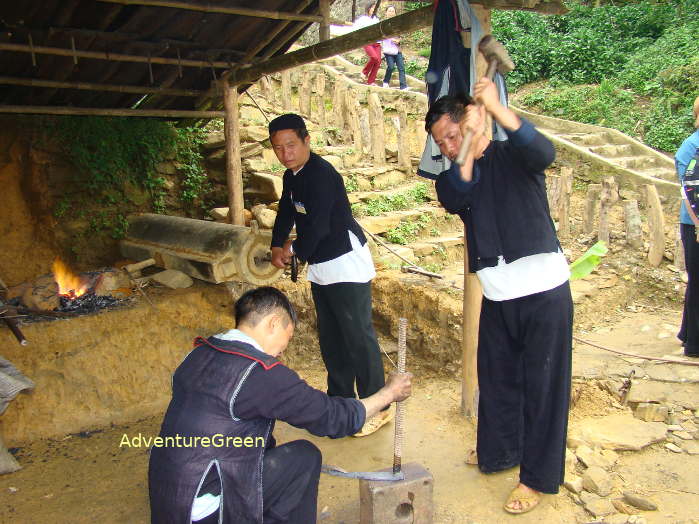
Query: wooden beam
<point>89,86</point>
<point>117,57</point>
<point>207,8</point>
<point>398,24</point>
<point>547,7</point>
<point>98,111</point>
<point>324,31</point>
<point>234,171</point>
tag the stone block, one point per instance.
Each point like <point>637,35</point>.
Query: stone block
<point>600,508</point>
<point>408,500</point>
<point>335,161</point>
<point>573,483</point>
<point>265,217</point>
<point>651,412</point>
<point>639,502</point>
<point>596,480</point>
<point>266,187</point>
<point>220,214</point>
<point>173,279</point>
<point>254,133</point>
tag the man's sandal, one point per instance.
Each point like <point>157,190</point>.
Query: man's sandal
<point>374,423</point>
<point>527,500</point>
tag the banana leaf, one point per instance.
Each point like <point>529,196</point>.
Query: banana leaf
<point>584,265</point>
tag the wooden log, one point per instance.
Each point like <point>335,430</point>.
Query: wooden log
<point>91,86</point>
<point>608,197</point>
<point>97,111</point>
<point>319,113</point>
<point>286,90</point>
<point>632,223</point>
<point>208,8</point>
<point>404,139</point>
<point>352,105</point>
<point>114,57</point>
<point>565,189</point>
<point>365,127</point>
<point>305,93</point>
<point>234,172</point>
<point>656,226</point>
<point>376,121</point>
<point>553,191</point>
<point>324,30</point>
<point>320,83</point>
<point>338,105</point>
<point>267,90</point>
<point>591,201</point>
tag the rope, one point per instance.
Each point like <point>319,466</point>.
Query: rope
<point>657,359</point>
<point>384,245</point>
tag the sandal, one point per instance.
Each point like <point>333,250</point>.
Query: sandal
<point>374,423</point>
<point>527,500</point>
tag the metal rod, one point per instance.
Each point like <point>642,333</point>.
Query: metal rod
<point>400,406</point>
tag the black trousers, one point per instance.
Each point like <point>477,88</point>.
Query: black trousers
<point>524,373</point>
<point>689,331</point>
<point>290,475</point>
<point>347,339</point>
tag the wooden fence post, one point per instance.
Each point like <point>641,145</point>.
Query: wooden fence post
<point>376,121</point>
<point>656,226</point>
<point>608,197</point>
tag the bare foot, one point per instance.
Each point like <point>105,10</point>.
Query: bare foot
<point>522,499</point>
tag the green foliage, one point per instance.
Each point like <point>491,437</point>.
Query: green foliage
<point>634,66</point>
<point>407,231</point>
<point>384,204</point>
<point>415,68</point>
<point>194,181</point>
<point>351,184</point>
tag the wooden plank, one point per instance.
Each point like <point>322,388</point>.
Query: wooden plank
<point>208,8</point>
<point>234,171</point>
<point>98,111</point>
<point>324,30</point>
<point>90,86</point>
<point>116,57</point>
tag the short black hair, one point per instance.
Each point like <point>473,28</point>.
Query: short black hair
<point>290,121</point>
<point>257,303</point>
<point>452,105</point>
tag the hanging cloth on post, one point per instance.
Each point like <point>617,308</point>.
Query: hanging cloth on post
<point>452,70</point>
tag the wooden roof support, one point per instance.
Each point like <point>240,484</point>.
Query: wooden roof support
<point>89,86</point>
<point>208,8</point>
<point>234,171</point>
<point>98,111</point>
<point>117,57</point>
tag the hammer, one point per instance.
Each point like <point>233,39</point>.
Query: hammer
<point>498,59</point>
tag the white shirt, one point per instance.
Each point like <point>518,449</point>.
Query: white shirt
<point>524,276</point>
<point>360,23</point>
<point>355,266</point>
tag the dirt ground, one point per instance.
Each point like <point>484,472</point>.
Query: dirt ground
<point>88,477</point>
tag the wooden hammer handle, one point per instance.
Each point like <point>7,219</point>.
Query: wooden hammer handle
<point>468,137</point>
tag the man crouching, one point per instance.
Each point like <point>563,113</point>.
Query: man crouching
<point>229,391</point>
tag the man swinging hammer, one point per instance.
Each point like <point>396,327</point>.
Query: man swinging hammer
<point>525,334</point>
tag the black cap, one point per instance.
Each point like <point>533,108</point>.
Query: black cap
<point>287,121</point>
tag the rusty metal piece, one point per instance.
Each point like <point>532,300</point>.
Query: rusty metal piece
<point>400,406</point>
<point>210,251</point>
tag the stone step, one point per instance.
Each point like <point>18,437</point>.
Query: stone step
<point>382,223</point>
<point>636,162</point>
<point>587,139</point>
<point>659,172</point>
<point>613,150</point>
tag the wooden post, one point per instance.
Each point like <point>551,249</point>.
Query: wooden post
<point>632,221</point>
<point>608,197</point>
<point>352,105</point>
<point>376,121</point>
<point>286,90</point>
<point>267,90</point>
<point>404,139</point>
<point>565,188</point>
<point>591,200</point>
<point>679,261</point>
<point>324,29</point>
<point>305,94</point>
<point>553,190</point>
<point>320,98</point>
<point>338,103</point>
<point>473,294</point>
<point>234,174</point>
<point>656,226</point>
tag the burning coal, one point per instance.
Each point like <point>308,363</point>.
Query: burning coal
<point>70,285</point>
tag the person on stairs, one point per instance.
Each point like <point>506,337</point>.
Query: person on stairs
<point>393,55</point>
<point>373,51</point>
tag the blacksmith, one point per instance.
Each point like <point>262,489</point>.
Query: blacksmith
<point>226,396</point>
<point>340,267</point>
<point>525,334</point>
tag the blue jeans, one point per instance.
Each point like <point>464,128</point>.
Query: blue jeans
<point>391,62</point>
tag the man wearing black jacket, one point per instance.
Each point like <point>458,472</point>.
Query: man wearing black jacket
<point>340,267</point>
<point>217,460</point>
<point>525,333</point>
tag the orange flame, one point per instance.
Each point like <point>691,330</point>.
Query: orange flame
<point>69,284</point>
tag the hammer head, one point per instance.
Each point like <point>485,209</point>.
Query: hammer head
<point>494,50</point>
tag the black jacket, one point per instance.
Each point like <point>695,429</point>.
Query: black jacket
<point>233,390</point>
<point>315,199</point>
<point>504,207</point>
